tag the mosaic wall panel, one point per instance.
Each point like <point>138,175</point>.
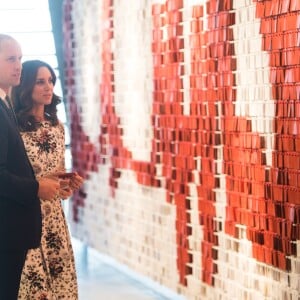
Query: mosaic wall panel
<point>185,124</point>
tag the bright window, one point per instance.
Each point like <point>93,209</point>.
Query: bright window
<point>30,24</point>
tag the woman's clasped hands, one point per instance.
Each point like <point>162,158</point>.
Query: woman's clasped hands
<point>59,184</point>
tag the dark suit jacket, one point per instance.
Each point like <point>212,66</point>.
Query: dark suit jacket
<point>20,210</point>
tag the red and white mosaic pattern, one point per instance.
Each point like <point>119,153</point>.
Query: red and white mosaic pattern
<point>185,124</point>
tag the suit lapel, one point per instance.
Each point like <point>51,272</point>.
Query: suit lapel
<point>9,111</point>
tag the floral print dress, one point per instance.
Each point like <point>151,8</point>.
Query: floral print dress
<point>49,271</point>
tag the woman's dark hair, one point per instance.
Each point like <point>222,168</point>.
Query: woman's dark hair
<point>22,97</point>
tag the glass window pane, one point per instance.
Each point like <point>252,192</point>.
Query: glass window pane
<point>23,5</point>
<point>30,24</point>
<point>25,20</point>
<point>36,43</point>
<point>49,58</point>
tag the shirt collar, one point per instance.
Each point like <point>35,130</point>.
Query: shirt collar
<point>2,94</point>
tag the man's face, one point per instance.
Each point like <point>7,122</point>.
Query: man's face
<point>10,64</point>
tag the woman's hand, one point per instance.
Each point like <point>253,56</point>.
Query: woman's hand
<point>48,188</point>
<point>65,193</point>
<point>75,181</point>
<point>68,183</point>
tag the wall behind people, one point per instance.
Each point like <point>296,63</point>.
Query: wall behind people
<point>185,124</point>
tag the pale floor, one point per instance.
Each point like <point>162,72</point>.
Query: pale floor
<point>98,279</point>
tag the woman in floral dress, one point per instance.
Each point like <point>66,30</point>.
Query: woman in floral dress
<point>49,271</point>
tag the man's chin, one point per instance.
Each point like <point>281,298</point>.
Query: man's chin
<point>15,82</point>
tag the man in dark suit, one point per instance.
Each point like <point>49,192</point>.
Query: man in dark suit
<point>20,212</point>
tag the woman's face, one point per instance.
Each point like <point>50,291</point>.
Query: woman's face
<point>43,88</point>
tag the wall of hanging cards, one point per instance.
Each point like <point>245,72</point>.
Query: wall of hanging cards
<point>185,122</point>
